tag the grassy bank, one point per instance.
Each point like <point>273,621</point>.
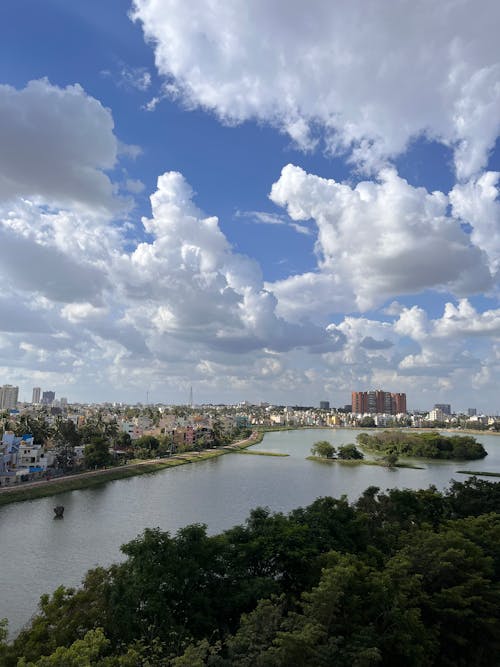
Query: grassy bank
<point>259,453</point>
<point>477,472</point>
<point>94,478</point>
<point>362,462</point>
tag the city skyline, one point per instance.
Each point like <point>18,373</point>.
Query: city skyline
<point>268,202</point>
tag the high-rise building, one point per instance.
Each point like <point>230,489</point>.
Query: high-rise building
<point>471,412</point>
<point>399,403</point>
<point>48,397</point>
<point>36,395</point>
<point>8,397</point>
<point>378,402</point>
<point>324,405</point>
<point>444,407</point>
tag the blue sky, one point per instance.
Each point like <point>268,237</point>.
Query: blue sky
<point>324,214</point>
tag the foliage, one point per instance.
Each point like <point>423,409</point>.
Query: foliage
<point>38,427</point>
<point>425,445</point>
<point>147,442</point>
<point>96,453</point>
<point>349,452</point>
<point>398,578</point>
<point>65,438</point>
<point>82,653</point>
<point>324,449</point>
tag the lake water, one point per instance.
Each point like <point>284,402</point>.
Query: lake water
<point>37,553</point>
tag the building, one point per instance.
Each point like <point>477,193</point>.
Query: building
<point>36,395</point>
<point>324,405</point>
<point>8,397</point>
<point>437,415</point>
<point>48,397</point>
<point>378,402</point>
<point>471,412</point>
<point>444,407</point>
<point>399,403</point>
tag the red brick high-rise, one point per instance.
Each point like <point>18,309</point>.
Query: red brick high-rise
<point>378,402</point>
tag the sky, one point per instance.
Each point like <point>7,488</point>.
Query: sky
<point>276,201</point>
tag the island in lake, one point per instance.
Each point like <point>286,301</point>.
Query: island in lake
<point>422,445</point>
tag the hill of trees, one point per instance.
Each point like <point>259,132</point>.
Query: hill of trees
<point>398,578</point>
<point>423,445</point>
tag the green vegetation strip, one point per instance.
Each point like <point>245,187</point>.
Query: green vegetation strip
<point>259,453</point>
<point>365,462</point>
<point>86,481</point>
<point>477,472</point>
<point>422,445</point>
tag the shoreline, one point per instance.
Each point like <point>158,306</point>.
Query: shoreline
<point>85,480</point>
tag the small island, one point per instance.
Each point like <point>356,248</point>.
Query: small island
<point>422,445</point>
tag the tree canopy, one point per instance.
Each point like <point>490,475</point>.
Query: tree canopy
<point>424,445</point>
<point>397,578</point>
<point>324,449</point>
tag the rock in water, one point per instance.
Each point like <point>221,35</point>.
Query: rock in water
<point>59,512</point>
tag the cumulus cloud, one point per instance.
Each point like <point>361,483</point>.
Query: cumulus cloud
<point>57,144</point>
<point>376,240</point>
<point>477,203</point>
<point>365,79</point>
<point>36,268</point>
<point>191,284</point>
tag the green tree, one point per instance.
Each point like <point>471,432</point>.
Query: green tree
<point>323,449</point>
<point>65,438</point>
<point>390,459</point>
<point>349,452</point>
<point>82,653</point>
<point>37,426</point>
<point>146,445</point>
<point>96,453</point>
<point>123,440</point>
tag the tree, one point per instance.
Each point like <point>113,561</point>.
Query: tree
<point>96,453</point>
<point>123,440</point>
<point>148,443</point>
<point>390,459</point>
<point>82,653</point>
<point>349,452</point>
<point>38,427</point>
<point>66,437</point>
<point>323,449</point>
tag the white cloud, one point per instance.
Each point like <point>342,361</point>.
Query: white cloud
<point>57,144</point>
<point>477,203</point>
<point>375,241</point>
<point>368,79</point>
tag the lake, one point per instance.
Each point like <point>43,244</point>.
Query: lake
<point>37,553</point>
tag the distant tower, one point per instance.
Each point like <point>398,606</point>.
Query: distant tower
<point>8,397</point>
<point>191,396</point>
<point>48,397</point>
<point>36,395</point>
